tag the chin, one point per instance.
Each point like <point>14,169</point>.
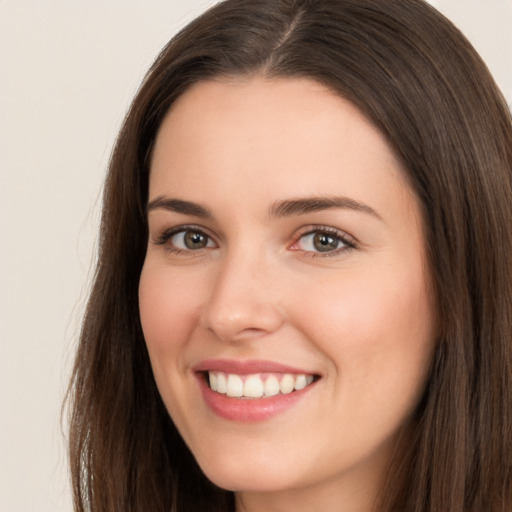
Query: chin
<point>248,483</point>
<point>247,475</point>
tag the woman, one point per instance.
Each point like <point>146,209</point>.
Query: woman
<point>303,295</point>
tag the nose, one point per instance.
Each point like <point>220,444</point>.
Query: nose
<point>242,304</point>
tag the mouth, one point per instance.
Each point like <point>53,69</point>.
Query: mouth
<point>252,391</point>
<point>257,385</point>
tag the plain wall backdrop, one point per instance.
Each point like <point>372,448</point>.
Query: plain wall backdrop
<point>68,71</point>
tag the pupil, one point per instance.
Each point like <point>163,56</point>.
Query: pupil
<point>325,243</point>
<point>194,240</point>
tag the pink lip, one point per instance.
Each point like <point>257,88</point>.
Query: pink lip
<point>246,367</point>
<point>247,410</point>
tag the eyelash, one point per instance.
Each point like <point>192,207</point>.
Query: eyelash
<point>164,238</point>
<point>347,242</point>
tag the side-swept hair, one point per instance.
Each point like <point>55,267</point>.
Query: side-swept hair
<point>413,74</point>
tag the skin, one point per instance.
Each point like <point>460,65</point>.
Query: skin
<point>359,317</point>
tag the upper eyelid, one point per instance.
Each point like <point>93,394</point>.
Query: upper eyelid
<point>316,228</point>
<point>161,237</point>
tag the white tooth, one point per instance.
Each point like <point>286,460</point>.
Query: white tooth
<point>271,386</point>
<point>213,380</point>
<point>300,382</point>
<point>222,386</point>
<point>309,379</point>
<point>235,386</point>
<point>287,384</point>
<point>253,386</point>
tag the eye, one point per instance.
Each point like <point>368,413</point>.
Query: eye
<point>190,240</point>
<point>323,241</point>
<point>186,239</point>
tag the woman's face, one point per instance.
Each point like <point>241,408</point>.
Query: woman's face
<point>286,266</point>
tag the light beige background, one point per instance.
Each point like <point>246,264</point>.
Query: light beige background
<point>68,70</point>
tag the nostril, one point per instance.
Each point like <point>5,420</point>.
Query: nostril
<point>250,333</point>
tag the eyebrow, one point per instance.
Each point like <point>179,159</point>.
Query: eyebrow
<point>286,208</point>
<point>312,204</point>
<point>179,206</point>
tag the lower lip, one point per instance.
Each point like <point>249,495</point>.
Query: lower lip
<point>249,409</point>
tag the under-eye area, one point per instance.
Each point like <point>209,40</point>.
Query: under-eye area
<point>257,385</point>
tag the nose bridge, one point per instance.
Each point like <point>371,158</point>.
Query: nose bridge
<point>242,303</point>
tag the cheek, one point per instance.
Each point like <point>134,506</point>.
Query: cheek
<point>168,310</point>
<point>370,305</point>
<point>377,329</point>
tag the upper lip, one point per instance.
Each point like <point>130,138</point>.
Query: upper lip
<point>247,367</point>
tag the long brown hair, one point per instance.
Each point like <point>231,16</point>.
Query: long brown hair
<point>413,74</point>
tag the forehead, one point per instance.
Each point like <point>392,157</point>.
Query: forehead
<point>272,138</point>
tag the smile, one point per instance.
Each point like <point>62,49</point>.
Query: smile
<point>252,391</point>
<point>261,385</point>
